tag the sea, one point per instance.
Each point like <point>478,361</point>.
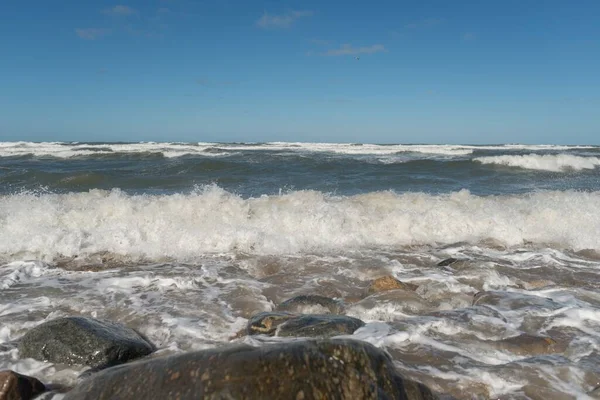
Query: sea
<point>186,241</point>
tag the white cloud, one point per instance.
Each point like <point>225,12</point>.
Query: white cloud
<point>469,36</point>
<point>120,11</point>
<point>91,33</point>
<point>349,50</point>
<point>272,21</point>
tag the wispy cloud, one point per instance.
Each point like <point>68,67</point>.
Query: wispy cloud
<point>120,11</point>
<point>91,33</point>
<point>281,21</point>
<point>424,23</point>
<point>469,36</point>
<point>349,50</point>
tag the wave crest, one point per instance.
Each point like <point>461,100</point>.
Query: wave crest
<point>544,162</point>
<point>212,220</point>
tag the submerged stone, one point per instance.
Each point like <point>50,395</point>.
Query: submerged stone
<point>447,262</point>
<point>513,301</point>
<point>311,304</point>
<point>266,323</point>
<point>308,325</point>
<point>319,326</point>
<point>527,345</point>
<point>84,341</point>
<point>320,369</point>
<point>388,283</point>
<point>14,386</point>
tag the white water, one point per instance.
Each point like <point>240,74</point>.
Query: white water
<point>68,150</point>
<point>212,220</point>
<point>543,162</point>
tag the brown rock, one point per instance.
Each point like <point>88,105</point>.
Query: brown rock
<point>308,370</point>
<point>528,345</point>
<point>14,386</point>
<point>388,283</point>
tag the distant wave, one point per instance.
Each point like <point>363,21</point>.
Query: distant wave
<point>76,149</point>
<point>70,150</point>
<point>213,220</point>
<point>545,162</point>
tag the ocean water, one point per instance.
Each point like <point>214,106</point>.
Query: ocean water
<point>186,241</point>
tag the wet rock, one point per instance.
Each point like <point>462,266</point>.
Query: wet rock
<point>388,283</point>
<point>319,326</point>
<point>266,323</point>
<point>321,369</point>
<point>513,301</point>
<point>82,340</point>
<point>447,262</point>
<point>310,325</point>
<point>14,386</point>
<point>527,345</point>
<point>311,304</point>
<point>386,306</point>
<point>536,284</point>
<point>466,314</point>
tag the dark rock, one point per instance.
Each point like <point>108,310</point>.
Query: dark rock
<point>14,386</point>
<point>82,340</point>
<point>319,326</point>
<point>447,262</point>
<point>311,304</point>
<point>388,283</point>
<point>309,325</point>
<point>321,369</point>
<point>266,323</point>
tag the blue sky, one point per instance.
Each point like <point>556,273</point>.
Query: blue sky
<point>223,70</point>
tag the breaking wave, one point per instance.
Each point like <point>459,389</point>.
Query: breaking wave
<point>170,150</point>
<point>544,162</point>
<point>212,220</point>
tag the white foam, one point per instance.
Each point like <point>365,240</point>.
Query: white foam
<point>69,150</point>
<point>175,149</point>
<point>213,220</point>
<point>19,271</point>
<point>543,162</point>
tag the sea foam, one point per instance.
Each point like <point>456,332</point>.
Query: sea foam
<point>212,220</point>
<point>544,162</point>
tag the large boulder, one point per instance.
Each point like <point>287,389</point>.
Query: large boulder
<point>14,386</point>
<point>309,325</point>
<point>322,369</point>
<point>311,304</point>
<point>84,341</point>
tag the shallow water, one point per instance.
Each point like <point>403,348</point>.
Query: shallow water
<point>186,261</point>
<point>434,334</point>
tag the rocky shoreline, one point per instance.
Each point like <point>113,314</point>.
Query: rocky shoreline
<point>123,363</point>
